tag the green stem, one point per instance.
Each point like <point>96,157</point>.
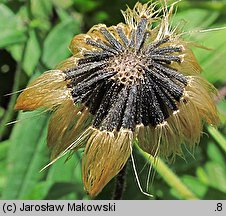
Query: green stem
<point>120,184</point>
<point>10,109</point>
<point>218,137</point>
<point>170,178</point>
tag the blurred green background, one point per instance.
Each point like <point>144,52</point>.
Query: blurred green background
<point>34,37</point>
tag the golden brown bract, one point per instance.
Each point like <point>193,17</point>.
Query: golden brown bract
<point>137,81</point>
<point>48,91</point>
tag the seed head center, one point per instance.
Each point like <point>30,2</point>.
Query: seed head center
<point>128,67</point>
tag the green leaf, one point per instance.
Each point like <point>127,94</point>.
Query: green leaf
<point>64,15</point>
<point>88,6</point>
<point>169,176</point>
<point>57,41</point>
<point>195,185</point>
<point>41,8</point>
<point>4,147</point>
<point>213,65</point>
<point>40,15</point>
<point>195,18</point>
<point>59,190</point>
<point>27,155</point>
<point>2,111</point>
<point>211,61</point>
<point>16,51</point>
<point>11,27</point>
<point>202,176</point>
<point>221,107</point>
<point>214,194</point>
<point>63,4</point>
<point>39,191</point>
<point>73,167</point>
<point>59,173</point>
<point>32,53</point>
<point>217,176</point>
<point>215,155</point>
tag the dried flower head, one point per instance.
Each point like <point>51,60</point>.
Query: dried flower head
<point>137,80</point>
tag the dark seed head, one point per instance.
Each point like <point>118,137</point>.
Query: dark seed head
<point>128,61</point>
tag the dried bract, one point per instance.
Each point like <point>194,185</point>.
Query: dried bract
<point>137,80</point>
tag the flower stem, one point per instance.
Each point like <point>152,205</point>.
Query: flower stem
<point>10,112</point>
<point>170,178</point>
<point>8,116</point>
<point>120,184</point>
<point>218,137</point>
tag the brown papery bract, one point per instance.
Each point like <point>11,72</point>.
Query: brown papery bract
<point>105,155</point>
<point>49,90</point>
<point>138,81</point>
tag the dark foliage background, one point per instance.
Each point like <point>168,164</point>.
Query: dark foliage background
<point>34,37</point>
